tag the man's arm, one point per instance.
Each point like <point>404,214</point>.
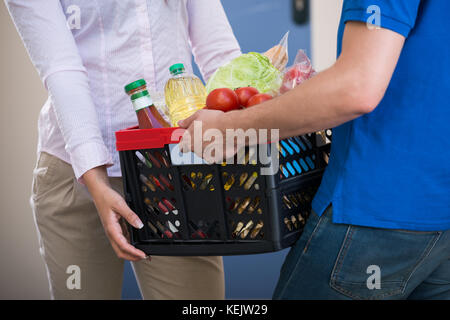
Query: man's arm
<point>352,87</point>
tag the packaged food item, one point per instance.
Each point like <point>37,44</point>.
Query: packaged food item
<point>278,55</point>
<point>295,75</point>
<point>143,105</point>
<point>185,94</point>
<point>299,72</point>
<point>141,100</point>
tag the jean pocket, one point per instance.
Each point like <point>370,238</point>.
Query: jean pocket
<point>378,263</point>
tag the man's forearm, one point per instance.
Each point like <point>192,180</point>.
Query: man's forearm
<point>353,86</point>
<point>319,103</point>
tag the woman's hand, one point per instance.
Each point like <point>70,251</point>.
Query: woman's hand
<point>112,208</point>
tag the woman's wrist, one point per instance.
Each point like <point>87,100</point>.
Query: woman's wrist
<point>96,179</point>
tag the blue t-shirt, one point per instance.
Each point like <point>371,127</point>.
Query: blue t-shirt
<point>391,168</point>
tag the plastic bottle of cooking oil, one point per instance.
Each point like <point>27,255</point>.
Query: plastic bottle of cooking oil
<point>185,94</point>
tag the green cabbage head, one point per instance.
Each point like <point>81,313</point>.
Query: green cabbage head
<point>248,70</point>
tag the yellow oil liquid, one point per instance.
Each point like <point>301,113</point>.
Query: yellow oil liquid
<point>184,96</point>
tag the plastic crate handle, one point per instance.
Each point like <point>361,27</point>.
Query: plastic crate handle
<point>137,139</point>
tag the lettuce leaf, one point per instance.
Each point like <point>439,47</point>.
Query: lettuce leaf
<point>248,70</point>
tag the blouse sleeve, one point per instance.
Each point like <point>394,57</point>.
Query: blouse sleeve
<point>50,44</point>
<point>212,40</point>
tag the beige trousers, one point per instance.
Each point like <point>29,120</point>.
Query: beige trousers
<point>81,263</point>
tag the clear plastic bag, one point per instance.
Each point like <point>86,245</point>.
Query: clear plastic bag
<point>298,73</point>
<point>278,55</point>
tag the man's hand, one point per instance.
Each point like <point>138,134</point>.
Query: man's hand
<point>112,208</point>
<point>214,122</point>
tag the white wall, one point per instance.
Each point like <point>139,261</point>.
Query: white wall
<point>22,271</point>
<point>325,16</point>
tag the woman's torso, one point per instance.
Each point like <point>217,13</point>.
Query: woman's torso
<point>119,42</point>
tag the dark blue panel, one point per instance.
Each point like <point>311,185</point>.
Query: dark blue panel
<point>252,277</point>
<point>130,288</point>
<point>260,24</point>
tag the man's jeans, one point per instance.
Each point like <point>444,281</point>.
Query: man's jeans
<point>337,261</point>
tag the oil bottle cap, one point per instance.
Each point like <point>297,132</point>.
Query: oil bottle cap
<point>134,85</point>
<point>176,68</point>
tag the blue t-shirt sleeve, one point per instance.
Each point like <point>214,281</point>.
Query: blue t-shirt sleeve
<point>396,15</point>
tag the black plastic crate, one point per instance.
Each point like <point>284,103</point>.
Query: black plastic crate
<point>226,209</point>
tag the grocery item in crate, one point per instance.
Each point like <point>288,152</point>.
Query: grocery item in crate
<point>261,71</point>
<point>295,75</point>
<point>299,72</point>
<point>251,69</point>
<point>143,105</point>
<point>185,94</point>
<point>278,55</point>
<point>244,94</point>
<point>257,99</point>
<point>223,99</point>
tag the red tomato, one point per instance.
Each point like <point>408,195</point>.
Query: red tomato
<point>290,80</point>
<point>245,93</point>
<point>223,99</point>
<point>295,76</point>
<point>258,98</point>
<point>292,74</point>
